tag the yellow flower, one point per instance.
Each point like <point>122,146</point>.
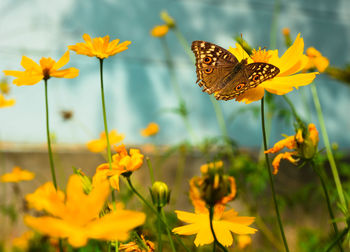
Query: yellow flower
<point>134,247</point>
<point>292,62</point>
<point>48,67</point>
<point>6,103</point>
<point>76,216</point>
<point>244,241</point>
<point>303,142</point>
<point>17,175</point>
<point>99,47</point>
<point>151,129</point>
<point>99,145</point>
<point>22,242</point>
<point>223,223</point>
<point>122,163</point>
<point>159,30</point>
<point>316,60</point>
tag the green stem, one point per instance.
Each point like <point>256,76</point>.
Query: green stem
<point>328,147</point>
<point>159,231</point>
<point>270,177</point>
<point>338,239</point>
<point>331,214</point>
<point>291,105</point>
<point>144,201</point>
<point>109,154</point>
<point>150,167</point>
<point>274,25</point>
<point>52,166</point>
<point>211,216</point>
<point>168,231</point>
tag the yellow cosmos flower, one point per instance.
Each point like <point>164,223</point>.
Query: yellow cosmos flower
<point>134,247</point>
<point>48,67</point>
<point>292,62</point>
<point>159,31</point>
<point>304,144</point>
<point>223,223</point>
<point>99,47</point>
<point>151,129</point>
<point>99,145</point>
<point>76,216</point>
<point>316,60</point>
<point>122,162</point>
<point>244,241</point>
<point>17,175</point>
<point>6,103</point>
<point>22,242</point>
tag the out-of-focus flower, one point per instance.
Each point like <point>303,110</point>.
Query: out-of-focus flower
<point>218,164</point>
<point>316,60</point>
<point>159,30</point>
<point>122,163</point>
<point>76,216</point>
<point>66,114</point>
<point>169,21</point>
<point>4,86</point>
<point>151,129</point>
<point>286,31</point>
<point>304,143</point>
<point>287,38</point>
<point>244,241</point>
<point>99,145</point>
<point>22,242</point>
<point>6,103</point>
<point>292,62</point>
<point>134,247</point>
<point>17,175</point>
<point>48,68</point>
<point>99,47</point>
<point>223,223</point>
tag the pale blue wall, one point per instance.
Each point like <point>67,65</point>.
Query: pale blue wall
<point>137,81</point>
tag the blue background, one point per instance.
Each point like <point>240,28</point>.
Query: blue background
<point>137,83</point>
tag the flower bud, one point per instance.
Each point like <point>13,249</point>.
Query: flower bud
<point>85,180</point>
<point>170,22</point>
<point>160,194</point>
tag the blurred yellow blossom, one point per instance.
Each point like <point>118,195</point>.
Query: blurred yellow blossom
<point>223,223</point>
<point>122,162</point>
<point>151,129</point>
<point>6,103</point>
<point>134,247</point>
<point>218,164</point>
<point>286,31</point>
<point>159,30</point>
<point>99,47</point>
<point>48,68</point>
<point>316,60</point>
<point>17,175</point>
<point>244,241</point>
<point>304,143</point>
<point>99,145</point>
<point>22,242</point>
<point>291,62</point>
<point>4,86</point>
<point>76,216</point>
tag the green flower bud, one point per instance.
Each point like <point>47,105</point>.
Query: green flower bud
<point>308,149</point>
<point>160,194</point>
<point>85,180</point>
<point>169,21</point>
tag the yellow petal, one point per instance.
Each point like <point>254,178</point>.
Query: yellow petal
<point>204,235</point>
<point>68,73</point>
<point>29,64</point>
<point>96,145</point>
<point>62,61</point>
<point>251,95</point>
<point>189,229</point>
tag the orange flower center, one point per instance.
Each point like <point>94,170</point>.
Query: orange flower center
<point>260,55</point>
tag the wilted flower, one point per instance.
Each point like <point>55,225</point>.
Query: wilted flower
<point>48,68</point>
<point>99,47</point>
<point>17,175</point>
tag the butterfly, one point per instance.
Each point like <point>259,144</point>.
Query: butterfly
<point>220,72</point>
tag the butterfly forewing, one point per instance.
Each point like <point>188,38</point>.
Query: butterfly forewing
<point>260,72</point>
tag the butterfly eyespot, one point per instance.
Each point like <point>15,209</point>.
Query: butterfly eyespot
<point>256,77</point>
<point>207,60</point>
<point>208,70</point>
<point>239,86</point>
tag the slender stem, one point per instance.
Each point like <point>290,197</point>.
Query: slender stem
<point>211,216</point>
<point>52,166</point>
<point>154,211</point>
<point>150,167</point>
<point>274,25</point>
<point>331,214</point>
<point>291,105</point>
<point>109,154</point>
<point>328,147</point>
<point>159,231</point>
<point>271,179</point>
<point>168,231</point>
<point>338,239</point>
<point>184,43</point>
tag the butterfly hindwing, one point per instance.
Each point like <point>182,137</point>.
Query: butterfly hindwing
<point>213,63</point>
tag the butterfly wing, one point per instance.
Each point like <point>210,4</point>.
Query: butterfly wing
<point>213,64</point>
<point>245,77</point>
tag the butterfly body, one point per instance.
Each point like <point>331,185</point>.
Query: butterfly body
<point>219,71</point>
